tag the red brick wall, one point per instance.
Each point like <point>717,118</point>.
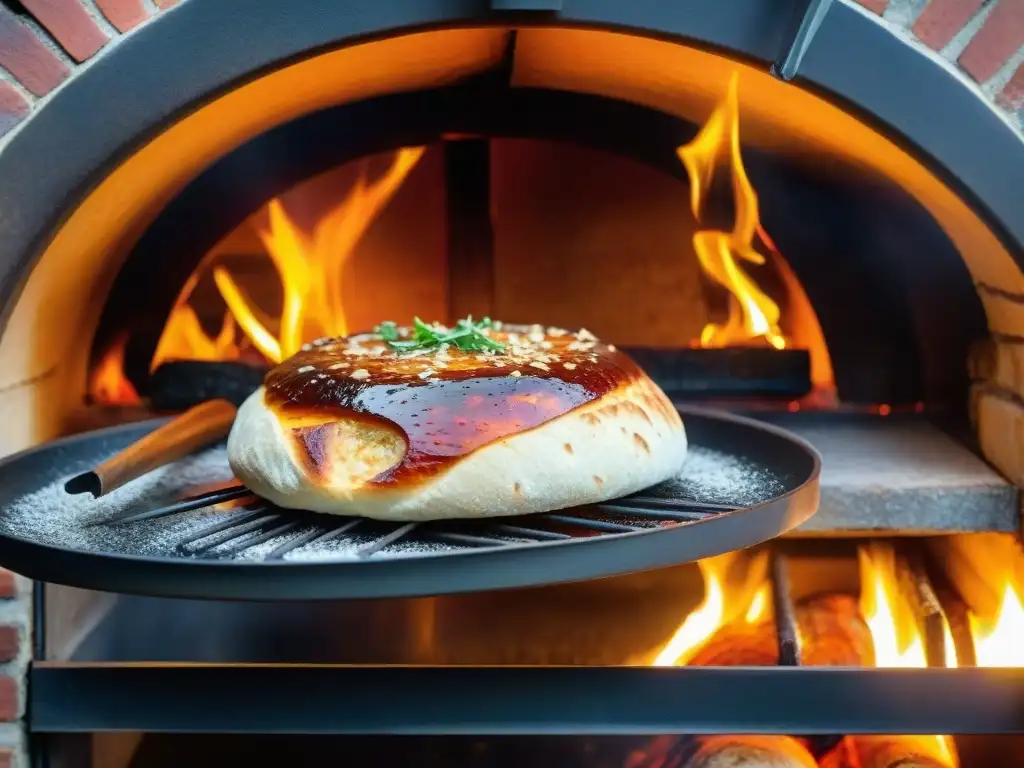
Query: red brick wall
<point>40,49</point>
<point>983,38</point>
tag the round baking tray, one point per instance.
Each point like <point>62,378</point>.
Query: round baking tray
<point>187,530</point>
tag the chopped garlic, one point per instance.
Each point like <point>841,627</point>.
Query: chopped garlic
<point>360,373</point>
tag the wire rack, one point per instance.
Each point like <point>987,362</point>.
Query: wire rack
<point>253,521</point>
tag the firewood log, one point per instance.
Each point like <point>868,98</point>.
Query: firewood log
<point>832,633</point>
<point>888,752</point>
<point>723,752</point>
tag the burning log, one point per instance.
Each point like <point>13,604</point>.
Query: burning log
<point>892,752</point>
<point>916,589</point>
<point>194,429</point>
<point>181,384</point>
<point>722,752</point>
<point>832,633</point>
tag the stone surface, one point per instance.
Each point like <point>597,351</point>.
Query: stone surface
<point>26,57</point>
<point>890,475</point>
<point>876,6</point>
<point>1001,432</point>
<point>1011,98</point>
<point>1000,363</point>
<point>70,24</point>
<point>13,107</point>
<point>123,14</point>
<point>1000,37</point>
<point>940,21</point>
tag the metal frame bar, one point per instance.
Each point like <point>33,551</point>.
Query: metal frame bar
<point>176,698</point>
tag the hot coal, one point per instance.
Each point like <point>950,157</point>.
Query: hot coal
<point>182,384</point>
<point>727,372</point>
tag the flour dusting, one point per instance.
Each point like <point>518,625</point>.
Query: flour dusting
<point>52,516</point>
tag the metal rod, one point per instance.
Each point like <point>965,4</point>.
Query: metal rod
<point>317,698</point>
<point>787,631</point>
<point>465,538</point>
<point>658,503</point>
<point>804,30</point>
<point>265,536</point>
<point>530,533</point>
<point>315,535</point>
<point>375,546</point>
<point>223,525</point>
<point>658,514</point>
<point>595,525</point>
<point>186,505</point>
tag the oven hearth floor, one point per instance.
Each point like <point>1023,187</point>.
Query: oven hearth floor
<point>897,475</point>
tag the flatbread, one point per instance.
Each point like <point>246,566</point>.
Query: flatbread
<point>556,419</point>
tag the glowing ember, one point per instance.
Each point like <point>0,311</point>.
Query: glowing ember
<point>752,314</point>
<point>895,635</point>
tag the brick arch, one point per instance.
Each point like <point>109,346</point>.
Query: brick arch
<point>983,38</point>
<point>44,42</point>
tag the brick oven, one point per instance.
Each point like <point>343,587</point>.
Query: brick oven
<point>805,213</point>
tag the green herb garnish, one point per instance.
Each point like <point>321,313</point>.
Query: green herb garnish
<point>466,335</point>
<point>387,330</point>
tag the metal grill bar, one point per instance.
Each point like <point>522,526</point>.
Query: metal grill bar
<point>657,514</point>
<point>185,505</point>
<point>492,535</point>
<point>595,525</point>
<point>315,535</point>
<point>376,546</point>
<point>231,524</point>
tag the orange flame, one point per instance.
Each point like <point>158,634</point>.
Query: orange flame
<point>310,267</point>
<point>715,610</point>
<point>997,642</point>
<point>895,635</point>
<point>108,384</point>
<point>752,313</point>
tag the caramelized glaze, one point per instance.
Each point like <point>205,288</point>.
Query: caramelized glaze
<point>445,405</point>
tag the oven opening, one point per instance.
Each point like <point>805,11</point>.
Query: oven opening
<point>785,278</point>
<point>755,245</point>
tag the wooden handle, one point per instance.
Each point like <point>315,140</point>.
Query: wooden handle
<point>194,429</point>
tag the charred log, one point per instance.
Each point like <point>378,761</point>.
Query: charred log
<point>182,384</point>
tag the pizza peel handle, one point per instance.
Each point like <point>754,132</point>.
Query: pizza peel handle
<point>196,428</point>
<point>170,535</point>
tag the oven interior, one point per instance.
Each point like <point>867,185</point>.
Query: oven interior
<point>756,247</point>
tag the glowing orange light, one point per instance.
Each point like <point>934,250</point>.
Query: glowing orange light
<point>752,313</point>
<point>997,642</point>
<point>108,384</point>
<point>717,608</point>
<point>895,635</point>
<point>310,266</point>
<point>759,605</point>
<point>884,409</point>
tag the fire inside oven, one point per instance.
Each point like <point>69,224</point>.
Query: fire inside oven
<point>740,262</point>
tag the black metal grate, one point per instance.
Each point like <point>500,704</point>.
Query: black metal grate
<point>744,483</point>
<point>257,521</point>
